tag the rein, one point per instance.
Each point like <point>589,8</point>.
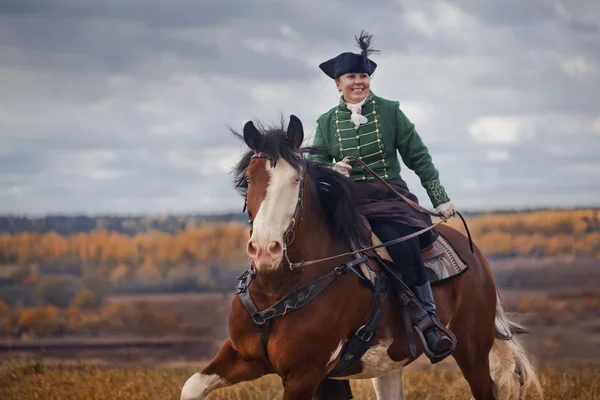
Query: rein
<point>302,264</point>
<point>418,207</point>
<point>409,201</point>
<point>289,235</point>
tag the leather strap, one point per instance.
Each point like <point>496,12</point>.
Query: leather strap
<point>380,179</point>
<point>303,295</point>
<point>363,337</point>
<point>295,300</point>
<point>422,319</point>
<point>302,264</point>
<point>406,199</point>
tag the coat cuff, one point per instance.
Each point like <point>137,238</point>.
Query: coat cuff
<point>436,192</point>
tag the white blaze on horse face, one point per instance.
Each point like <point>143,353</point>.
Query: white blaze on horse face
<point>275,213</point>
<point>198,386</point>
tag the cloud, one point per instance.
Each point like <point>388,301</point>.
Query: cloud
<point>577,66</point>
<point>112,107</point>
<point>498,155</point>
<point>589,168</point>
<point>501,130</point>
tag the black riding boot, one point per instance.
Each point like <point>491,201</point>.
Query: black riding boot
<point>438,343</point>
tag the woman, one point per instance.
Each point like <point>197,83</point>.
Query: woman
<point>374,129</point>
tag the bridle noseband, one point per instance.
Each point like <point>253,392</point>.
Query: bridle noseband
<point>288,234</point>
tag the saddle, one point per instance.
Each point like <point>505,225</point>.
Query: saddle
<point>442,263</point>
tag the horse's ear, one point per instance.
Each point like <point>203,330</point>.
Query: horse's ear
<point>251,135</point>
<point>295,133</point>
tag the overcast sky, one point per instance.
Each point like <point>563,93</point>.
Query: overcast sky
<point>121,107</point>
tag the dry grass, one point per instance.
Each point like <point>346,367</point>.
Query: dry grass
<point>25,380</point>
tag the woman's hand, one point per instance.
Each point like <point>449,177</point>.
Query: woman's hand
<point>343,168</point>
<point>447,210</point>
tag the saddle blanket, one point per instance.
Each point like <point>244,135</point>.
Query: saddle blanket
<point>442,262</point>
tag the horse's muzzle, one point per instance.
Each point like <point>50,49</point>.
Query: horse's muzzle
<point>265,257</point>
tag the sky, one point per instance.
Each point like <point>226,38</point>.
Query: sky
<point>123,107</point>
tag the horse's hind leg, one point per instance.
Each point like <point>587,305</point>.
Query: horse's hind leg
<point>227,368</point>
<point>477,373</point>
<point>389,386</point>
<point>472,356</point>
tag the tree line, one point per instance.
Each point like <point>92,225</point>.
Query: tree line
<point>50,268</point>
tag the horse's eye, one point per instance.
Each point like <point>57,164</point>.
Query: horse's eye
<point>247,180</point>
<point>298,179</point>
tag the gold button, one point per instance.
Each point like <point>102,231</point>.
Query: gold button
<point>355,127</point>
<point>377,130</point>
<point>337,122</point>
<point>376,120</point>
<point>374,112</point>
<point>360,158</point>
<point>386,175</point>
<point>357,147</point>
<point>338,131</point>
<point>357,136</point>
<point>336,111</point>
<point>364,178</point>
<point>383,160</point>
<point>373,101</point>
<point>378,140</point>
<point>380,151</point>
<point>340,139</point>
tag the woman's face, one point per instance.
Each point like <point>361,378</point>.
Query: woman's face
<point>354,86</point>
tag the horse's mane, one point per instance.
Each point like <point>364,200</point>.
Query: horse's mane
<point>337,194</point>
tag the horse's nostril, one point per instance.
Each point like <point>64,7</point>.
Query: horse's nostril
<point>252,249</point>
<point>275,248</point>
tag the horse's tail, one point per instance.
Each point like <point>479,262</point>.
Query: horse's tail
<point>510,366</point>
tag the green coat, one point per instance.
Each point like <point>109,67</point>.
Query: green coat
<point>388,130</point>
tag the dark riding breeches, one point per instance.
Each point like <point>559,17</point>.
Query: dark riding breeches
<point>406,255</point>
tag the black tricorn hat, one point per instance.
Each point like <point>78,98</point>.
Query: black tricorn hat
<point>352,62</point>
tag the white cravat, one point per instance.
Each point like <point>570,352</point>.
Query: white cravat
<point>356,117</point>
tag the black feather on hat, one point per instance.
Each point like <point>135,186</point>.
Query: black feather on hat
<point>365,42</point>
<point>352,62</point>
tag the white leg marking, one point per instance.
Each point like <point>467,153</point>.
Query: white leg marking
<point>377,362</point>
<point>335,353</point>
<point>198,386</point>
<point>389,387</point>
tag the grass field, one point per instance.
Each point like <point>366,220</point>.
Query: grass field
<point>28,380</point>
<point>563,318</point>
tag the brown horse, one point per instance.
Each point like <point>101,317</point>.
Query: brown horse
<point>303,346</point>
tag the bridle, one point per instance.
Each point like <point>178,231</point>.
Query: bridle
<point>289,233</point>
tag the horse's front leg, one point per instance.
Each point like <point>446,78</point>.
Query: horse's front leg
<point>226,369</point>
<point>301,387</point>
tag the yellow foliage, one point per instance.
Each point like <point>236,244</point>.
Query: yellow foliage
<point>553,232</point>
<point>113,310</point>
<point>3,307</point>
<point>119,273</point>
<point>43,321</point>
<point>84,299</point>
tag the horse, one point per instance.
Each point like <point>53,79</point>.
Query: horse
<point>302,210</point>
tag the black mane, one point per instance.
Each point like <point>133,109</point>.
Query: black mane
<point>337,194</point>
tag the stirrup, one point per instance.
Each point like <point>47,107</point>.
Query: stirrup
<point>432,322</point>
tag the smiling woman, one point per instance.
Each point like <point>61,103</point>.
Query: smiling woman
<point>375,130</point>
